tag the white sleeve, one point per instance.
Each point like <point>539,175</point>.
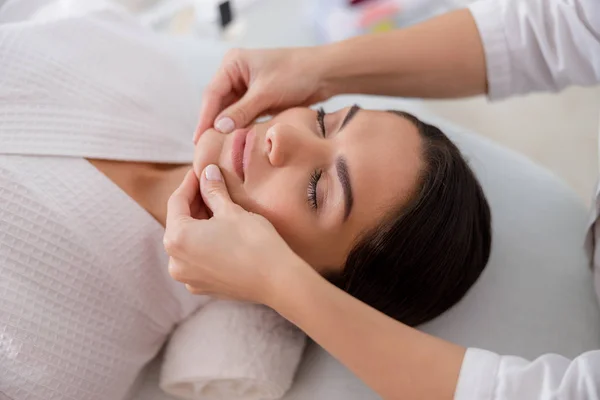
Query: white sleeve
<point>488,376</point>
<point>539,45</point>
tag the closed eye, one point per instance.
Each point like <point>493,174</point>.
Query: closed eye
<point>312,189</point>
<point>321,121</point>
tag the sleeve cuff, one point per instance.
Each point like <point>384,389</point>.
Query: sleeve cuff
<point>477,379</point>
<point>488,15</point>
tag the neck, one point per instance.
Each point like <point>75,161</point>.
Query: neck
<point>149,184</point>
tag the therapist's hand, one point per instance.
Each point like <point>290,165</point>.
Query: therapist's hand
<point>251,83</point>
<point>235,254</point>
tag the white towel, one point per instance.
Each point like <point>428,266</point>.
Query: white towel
<point>232,351</point>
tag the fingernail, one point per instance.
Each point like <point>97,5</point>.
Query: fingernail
<point>225,125</point>
<point>213,173</point>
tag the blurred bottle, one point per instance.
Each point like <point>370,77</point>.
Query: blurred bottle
<point>215,19</point>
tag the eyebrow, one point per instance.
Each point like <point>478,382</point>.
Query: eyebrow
<point>342,171</point>
<point>349,115</point>
<point>342,167</point>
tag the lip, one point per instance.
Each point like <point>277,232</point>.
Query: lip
<point>249,145</point>
<point>240,152</point>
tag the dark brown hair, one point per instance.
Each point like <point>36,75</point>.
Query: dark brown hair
<point>426,255</point>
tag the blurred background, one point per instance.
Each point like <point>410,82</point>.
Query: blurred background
<point>557,131</point>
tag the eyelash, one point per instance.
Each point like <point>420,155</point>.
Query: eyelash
<point>312,188</point>
<point>316,175</point>
<point>321,120</point>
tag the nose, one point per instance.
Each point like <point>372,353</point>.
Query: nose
<point>286,143</point>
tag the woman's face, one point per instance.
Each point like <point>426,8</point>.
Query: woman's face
<point>320,188</point>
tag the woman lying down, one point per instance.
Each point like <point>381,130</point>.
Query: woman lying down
<point>96,122</point>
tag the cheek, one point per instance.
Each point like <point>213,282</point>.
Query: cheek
<point>280,200</point>
<point>208,150</point>
<point>287,211</point>
<point>274,202</point>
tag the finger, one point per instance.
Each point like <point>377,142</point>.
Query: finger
<point>214,191</point>
<point>177,270</point>
<point>179,204</point>
<point>194,290</point>
<point>205,124</point>
<point>218,95</point>
<point>241,113</point>
<point>227,101</point>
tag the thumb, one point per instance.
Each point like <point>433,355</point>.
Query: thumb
<point>242,112</point>
<point>213,190</point>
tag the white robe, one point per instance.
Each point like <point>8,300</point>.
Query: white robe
<point>85,296</point>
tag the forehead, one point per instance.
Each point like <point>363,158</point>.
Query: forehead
<point>384,154</point>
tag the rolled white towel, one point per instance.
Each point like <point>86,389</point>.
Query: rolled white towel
<point>232,351</point>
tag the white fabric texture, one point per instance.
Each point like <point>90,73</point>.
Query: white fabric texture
<point>85,297</point>
<point>530,46</point>
<point>257,364</point>
<point>72,85</point>
<point>538,45</point>
<point>551,376</point>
